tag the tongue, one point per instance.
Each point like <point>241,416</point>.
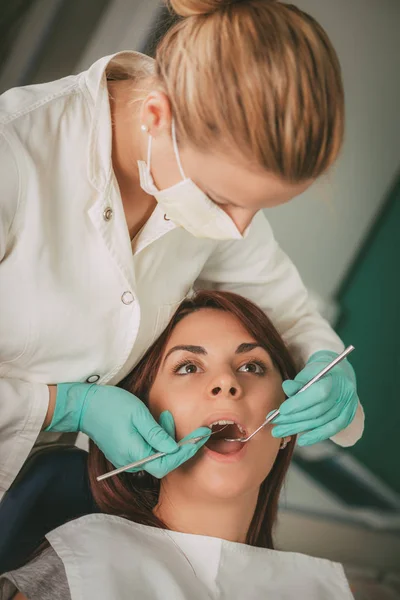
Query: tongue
<point>223,447</point>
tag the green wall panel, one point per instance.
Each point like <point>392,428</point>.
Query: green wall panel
<point>370,303</point>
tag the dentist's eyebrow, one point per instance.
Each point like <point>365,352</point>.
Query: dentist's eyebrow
<point>193,349</point>
<point>243,348</point>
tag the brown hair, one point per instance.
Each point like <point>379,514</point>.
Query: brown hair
<point>257,75</point>
<point>133,496</point>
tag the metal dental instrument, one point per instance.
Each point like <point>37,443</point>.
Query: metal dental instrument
<point>276,412</point>
<point>143,461</point>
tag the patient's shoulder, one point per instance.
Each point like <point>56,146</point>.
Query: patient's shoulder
<point>43,578</point>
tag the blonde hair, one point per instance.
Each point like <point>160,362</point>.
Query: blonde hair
<point>257,75</point>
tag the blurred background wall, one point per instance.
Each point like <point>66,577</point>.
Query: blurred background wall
<point>343,234</point>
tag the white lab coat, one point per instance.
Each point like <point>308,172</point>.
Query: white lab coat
<point>78,301</point>
<point>109,557</point>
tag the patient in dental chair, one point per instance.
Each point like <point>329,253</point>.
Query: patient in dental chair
<point>206,529</point>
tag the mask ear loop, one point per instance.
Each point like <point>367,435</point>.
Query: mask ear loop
<point>149,152</point>
<point>176,151</point>
<point>175,144</point>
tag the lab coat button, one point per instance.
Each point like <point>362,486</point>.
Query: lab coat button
<point>127,298</point>
<point>93,379</point>
<point>107,214</point>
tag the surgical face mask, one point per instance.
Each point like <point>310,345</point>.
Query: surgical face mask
<point>186,205</point>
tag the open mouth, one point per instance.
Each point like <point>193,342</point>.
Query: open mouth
<point>225,429</point>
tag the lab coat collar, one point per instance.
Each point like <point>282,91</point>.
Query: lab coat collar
<point>100,170</point>
<point>123,64</point>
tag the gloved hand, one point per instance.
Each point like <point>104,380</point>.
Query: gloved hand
<point>325,408</point>
<point>121,425</point>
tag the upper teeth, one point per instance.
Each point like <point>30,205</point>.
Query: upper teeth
<point>223,422</point>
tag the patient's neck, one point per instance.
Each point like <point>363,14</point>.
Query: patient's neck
<point>182,510</point>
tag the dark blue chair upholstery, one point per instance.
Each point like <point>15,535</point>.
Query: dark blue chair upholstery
<point>51,489</point>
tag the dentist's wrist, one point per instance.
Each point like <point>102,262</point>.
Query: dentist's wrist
<point>51,406</point>
<point>69,401</point>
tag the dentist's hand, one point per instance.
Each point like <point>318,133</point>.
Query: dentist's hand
<point>325,408</point>
<point>121,426</point>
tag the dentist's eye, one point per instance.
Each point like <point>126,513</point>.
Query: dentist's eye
<point>258,368</point>
<point>187,368</point>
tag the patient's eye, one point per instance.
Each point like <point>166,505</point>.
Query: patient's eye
<point>256,367</point>
<point>187,368</point>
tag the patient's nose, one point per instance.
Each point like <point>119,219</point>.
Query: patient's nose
<point>225,386</point>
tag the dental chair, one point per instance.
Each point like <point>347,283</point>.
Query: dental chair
<point>51,489</point>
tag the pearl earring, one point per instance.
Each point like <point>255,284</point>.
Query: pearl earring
<point>144,128</point>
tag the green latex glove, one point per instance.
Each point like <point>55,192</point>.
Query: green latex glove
<point>121,426</point>
<point>325,408</point>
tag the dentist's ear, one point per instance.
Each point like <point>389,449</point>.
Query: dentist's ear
<point>284,442</point>
<point>156,113</point>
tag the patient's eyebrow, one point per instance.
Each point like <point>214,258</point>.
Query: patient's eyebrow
<point>188,348</point>
<point>247,347</point>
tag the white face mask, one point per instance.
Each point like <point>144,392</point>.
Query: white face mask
<point>186,205</point>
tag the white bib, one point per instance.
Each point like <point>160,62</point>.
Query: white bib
<point>108,557</point>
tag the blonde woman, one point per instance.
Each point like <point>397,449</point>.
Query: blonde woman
<point>126,186</point>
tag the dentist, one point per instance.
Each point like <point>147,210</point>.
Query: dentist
<point>128,185</point>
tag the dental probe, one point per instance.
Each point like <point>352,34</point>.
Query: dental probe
<point>143,461</point>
